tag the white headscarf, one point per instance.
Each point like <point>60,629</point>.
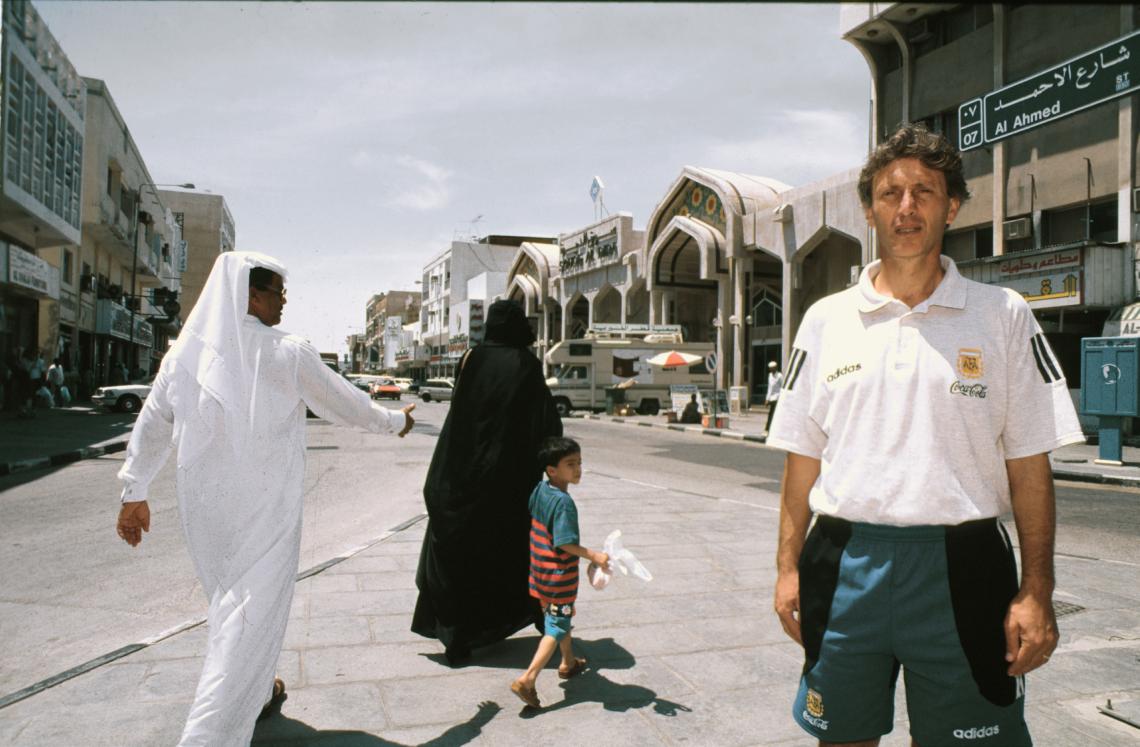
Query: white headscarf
<point>210,348</point>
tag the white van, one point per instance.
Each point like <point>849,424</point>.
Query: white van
<point>437,389</point>
<point>583,370</point>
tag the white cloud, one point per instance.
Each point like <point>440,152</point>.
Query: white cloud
<point>430,190</point>
<point>796,147</point>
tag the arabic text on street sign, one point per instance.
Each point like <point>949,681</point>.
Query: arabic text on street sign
<point>1086,80</point>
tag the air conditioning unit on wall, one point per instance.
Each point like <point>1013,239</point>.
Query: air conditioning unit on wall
<point>1018,228</point>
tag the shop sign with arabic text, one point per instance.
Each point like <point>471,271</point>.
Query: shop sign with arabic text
<point>1086,80</point>
<point>1023,265</point>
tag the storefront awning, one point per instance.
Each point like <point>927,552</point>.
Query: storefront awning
<point>1124,322</point>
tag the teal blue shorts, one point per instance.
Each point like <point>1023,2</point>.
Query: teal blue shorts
<point>930,600</point>
<point>557,626</point>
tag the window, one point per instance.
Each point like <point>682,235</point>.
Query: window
<point>1096,222</point>
<point>970,243</point>
<point>1102,221</point>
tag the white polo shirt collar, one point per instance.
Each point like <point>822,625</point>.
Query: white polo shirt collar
<point>951,291</point>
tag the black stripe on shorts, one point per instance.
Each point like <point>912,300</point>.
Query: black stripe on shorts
<point>983,581</point>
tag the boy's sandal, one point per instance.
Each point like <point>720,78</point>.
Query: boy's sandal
<point>576,668</point>
<point>275,700</point>
<point>526,694</point>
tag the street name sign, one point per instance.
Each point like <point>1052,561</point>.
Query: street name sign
<point>1086,80</point>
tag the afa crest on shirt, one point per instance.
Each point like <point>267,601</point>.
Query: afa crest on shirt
<point>970,363</point>
<point>814,705</point>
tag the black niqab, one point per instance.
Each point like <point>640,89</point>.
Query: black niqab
<point>474,563</point>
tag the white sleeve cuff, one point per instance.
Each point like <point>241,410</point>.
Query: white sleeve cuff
<point>133,492</point>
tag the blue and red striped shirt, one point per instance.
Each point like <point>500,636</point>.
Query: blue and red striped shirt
<point>554,522</point>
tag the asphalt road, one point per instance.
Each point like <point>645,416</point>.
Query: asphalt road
<point>71,590</point>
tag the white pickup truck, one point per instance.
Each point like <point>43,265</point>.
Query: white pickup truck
<point>583,369</point>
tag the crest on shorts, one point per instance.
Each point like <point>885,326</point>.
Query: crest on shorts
<point>814,703</point>
<point>970,362</point>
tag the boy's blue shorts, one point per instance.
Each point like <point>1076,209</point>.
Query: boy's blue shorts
<point>555,625</point>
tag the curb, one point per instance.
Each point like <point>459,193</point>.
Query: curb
<point>728,434</point>
<point>67,457</point>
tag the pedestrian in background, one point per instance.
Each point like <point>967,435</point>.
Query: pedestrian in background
<point>55,379</point>
<point>918,408</point>
<point>230,398</point>
<point>775,381</point>
<point>692,411</point>
<point>473,567</point>
<point>555,551</point>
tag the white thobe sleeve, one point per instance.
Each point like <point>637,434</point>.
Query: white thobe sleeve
<point>335,399</point>
<point>150,443</point>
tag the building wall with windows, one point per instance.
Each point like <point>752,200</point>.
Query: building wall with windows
<point>384,309</point>
<point>1052,211</point>
<point>126,248</point>
<point>445,279</point>
<point>208,229</point>
<point>41,154</point>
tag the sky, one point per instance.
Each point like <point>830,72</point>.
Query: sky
<point>355,140</point>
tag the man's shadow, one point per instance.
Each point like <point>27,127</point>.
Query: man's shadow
<point>590,686</point>
<point>279,730</point>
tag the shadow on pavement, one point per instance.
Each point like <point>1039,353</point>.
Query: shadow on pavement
<point>59,430</point>
<point>592,687</point>
<point>285,731</point>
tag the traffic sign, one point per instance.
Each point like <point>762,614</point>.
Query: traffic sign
<point>1101,74</point>
<point>711,362</point>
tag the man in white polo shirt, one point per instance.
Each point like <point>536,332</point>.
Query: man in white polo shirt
<point>918,407</point>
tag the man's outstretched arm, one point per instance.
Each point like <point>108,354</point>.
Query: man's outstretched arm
<point>1030,625</point>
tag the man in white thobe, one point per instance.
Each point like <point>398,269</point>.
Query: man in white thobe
<point>230,398</point>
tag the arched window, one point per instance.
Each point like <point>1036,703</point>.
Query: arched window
<point>767,309</point>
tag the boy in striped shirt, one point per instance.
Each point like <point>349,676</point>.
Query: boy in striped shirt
<point>554,554</point>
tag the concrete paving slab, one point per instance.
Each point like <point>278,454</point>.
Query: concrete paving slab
<point>366,564</point>
<point>732,669</point>
<point>390,581</point>
<point>309,633</point>
<point>395,629</point>
<point>334,604</point>
<point>373,662</point>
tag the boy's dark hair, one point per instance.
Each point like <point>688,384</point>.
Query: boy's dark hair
<point>556,448</point>
<point>915,141</point>
<point>261,277</point>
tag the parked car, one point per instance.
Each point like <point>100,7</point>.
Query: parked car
<point>437,389</point>
<point>404,384</point>
<point>122,397</point>
<point>385,389</point>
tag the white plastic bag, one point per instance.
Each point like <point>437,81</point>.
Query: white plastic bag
<point>620,559</point>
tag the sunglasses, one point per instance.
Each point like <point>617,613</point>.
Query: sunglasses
<point>281,293</point>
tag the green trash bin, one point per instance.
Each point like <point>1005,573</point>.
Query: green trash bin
<point>614,397</point>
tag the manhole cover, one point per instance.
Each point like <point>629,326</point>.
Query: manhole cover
<point>1060,609</point>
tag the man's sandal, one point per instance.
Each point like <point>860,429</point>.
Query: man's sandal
<point>275,701</point>
<point>575,668</point>
<point>526,694</point>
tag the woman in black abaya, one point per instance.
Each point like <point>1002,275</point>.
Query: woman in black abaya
<point>474,562</point>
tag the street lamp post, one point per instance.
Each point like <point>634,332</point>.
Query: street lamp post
<point>133,354</point>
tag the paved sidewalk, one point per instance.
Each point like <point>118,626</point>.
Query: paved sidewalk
<point>694,657</point>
